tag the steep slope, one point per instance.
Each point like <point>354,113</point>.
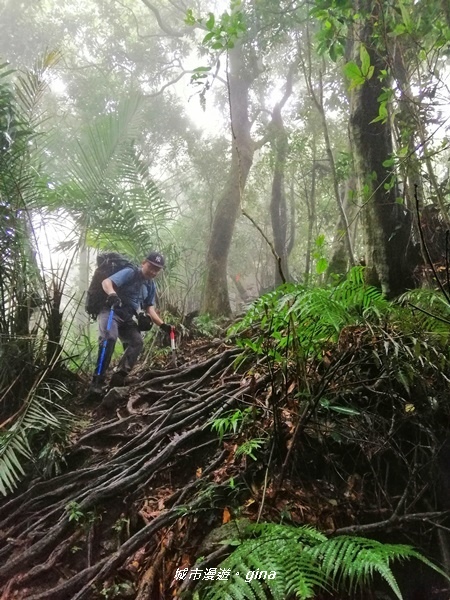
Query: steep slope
<point>171,468</point>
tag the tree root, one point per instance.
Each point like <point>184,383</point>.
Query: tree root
<point>147,580</point>
<point>38,526</point>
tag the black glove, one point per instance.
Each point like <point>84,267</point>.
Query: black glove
<point>113,301</point>
<point>144,322</point>
<point>166,327</point>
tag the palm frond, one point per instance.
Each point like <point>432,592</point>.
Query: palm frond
<point>98,154</point>
<point>40,412</point>
<point>30,87</point>
<point>110,193</point>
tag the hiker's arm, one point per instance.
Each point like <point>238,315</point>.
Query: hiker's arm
<point>154,315</point>
<point>108,286</point>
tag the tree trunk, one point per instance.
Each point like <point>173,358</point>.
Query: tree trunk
<point>278,206</point>
<point>310,198</point>
<point>215,298</point>
<point>317,96</point>
<point>387,224</point>
<point>81,318</point>
<point>339,259</point>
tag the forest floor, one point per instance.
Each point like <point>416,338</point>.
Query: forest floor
<point>163,474</point>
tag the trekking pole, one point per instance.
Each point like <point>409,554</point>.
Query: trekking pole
<point>173,346</point>
<point>105,343</point>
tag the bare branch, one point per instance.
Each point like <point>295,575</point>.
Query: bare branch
<point>395,522</point>
<point>163,26</point>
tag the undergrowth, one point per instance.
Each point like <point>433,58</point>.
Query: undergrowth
<point>301,321</point>
<point>281,561</point>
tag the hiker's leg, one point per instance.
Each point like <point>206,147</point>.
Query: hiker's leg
<point>133,343</point>
<point>110,337</point>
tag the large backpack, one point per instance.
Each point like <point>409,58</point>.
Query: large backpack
<point>108,263</point>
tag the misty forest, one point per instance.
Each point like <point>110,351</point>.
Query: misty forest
<point>290,438</point>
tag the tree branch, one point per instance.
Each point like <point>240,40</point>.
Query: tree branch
<point>168,30</point>
<point>387,523</point>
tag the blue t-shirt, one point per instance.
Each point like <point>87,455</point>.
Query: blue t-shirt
<point>133,289</point>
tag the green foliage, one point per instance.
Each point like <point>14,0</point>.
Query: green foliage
<point>333,16</point>
<point>19,191</point>
<point>33,419</point>
<point>116,590</point>
<point>293,324</point>
<point>230,422</point>
<point>110,194</point>
<point>359,74</point>
<point>74,512</point>
<point>122,524</point>
<point>51,460</point>
<point>304,561</point>
<point>300,320</point>
<point>249,446</point>
<point>385,100</point>
<point>38,414</point>
<point>429,312</point>
<point>207,326</point>
<point>222,32</point>
<point>319,254</point>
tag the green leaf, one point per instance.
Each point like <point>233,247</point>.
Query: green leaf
<point>189,18</point>
<point>406,16</point>
<point>399,29</point>
<point>321,265</point>
<point>382,113</point>
<point>365,60</point>
<point>352,71</point>
<point>345,410</point>
<point>210,22</point>
<point>320,241</point>
<point>208,37</point>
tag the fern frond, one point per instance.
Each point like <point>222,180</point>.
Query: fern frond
<point>429,310</point>
<point>275,549</point>
<point>303,579</point>
<point>304,561</point>
<point>311,316</point>
<point>353,561</point>
<point>305,534</point>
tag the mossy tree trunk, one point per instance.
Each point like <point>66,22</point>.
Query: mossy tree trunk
<point>387,223</point>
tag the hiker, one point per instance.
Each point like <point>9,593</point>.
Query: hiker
<point>128,290</point>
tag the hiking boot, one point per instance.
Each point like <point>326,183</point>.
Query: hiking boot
<point>96,389</point>
<point>118,379</point>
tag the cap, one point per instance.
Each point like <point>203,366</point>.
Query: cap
<point>156,259</point>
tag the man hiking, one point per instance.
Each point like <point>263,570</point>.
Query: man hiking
<point>128,291</point>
